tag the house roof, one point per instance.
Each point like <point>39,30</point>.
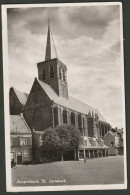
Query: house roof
<point>21,96</point>
<point>71,102</point>
<point>18,125</point>
<point>120,131</point>
<point>93,143</point>
<point>114,133</point>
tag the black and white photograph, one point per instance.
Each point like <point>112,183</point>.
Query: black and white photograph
<point>64,98</point>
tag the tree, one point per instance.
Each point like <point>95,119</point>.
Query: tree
<point>65,139</point>
<point>62,139</point>
<point>50,140</point>
<point>69,138</point>
<point>75,138</point>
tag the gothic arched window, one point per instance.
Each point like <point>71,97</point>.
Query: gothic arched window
<point>65,116</point>
<point>51,72</point>
<point>37,120</point>
<point>72,118</point>
<point>84,126</point>
<point>43,75</point>
<point>80,122</point>
<point>90,127</point>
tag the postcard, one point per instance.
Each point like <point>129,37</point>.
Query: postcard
<point>64,100</point>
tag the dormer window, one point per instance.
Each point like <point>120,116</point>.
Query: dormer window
<point>51,72</point>
<point>43,75</point>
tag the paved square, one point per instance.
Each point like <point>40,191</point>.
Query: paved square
<point>108,170</point>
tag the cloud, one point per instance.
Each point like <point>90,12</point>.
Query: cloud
<point>88,42</point>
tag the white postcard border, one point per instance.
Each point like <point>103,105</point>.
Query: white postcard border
<point>9,188</point>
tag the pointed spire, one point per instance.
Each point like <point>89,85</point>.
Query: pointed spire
<point>92,115</point>
<point>89,114</point>
<point>48,44</point>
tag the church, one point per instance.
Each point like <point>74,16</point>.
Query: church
<point>48,104</point>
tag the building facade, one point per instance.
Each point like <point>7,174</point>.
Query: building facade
<point>20,140</point>
<point>114,140</point>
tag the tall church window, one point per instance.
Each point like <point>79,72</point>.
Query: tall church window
<point>79,122</point>
<point>65,116</point>
<point>55,116</point>
<point>37,120</point>
<point>43,75</point>
<point>84,126</point>
<point>51,72</point>
<point>72,118</point>
<point>90,127</point>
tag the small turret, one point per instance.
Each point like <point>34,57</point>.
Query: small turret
<point>89,115</point>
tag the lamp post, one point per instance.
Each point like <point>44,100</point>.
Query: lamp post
<point>84,146</point>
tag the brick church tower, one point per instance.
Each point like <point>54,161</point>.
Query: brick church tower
<point>53,71</point>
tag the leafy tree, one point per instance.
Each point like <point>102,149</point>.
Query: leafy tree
<point>75,138</point>
<point>50,140</point>
<point>69,138</point>
<point>63,138</point>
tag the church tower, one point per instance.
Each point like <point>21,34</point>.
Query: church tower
<point>53,71</point>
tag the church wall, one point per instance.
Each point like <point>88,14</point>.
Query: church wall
<point>28,117</point>
<point>65,121</point>
<point>44,121</point>
<point>54,84</point>
<point>15,106</point>
<point>85,126</point>
<point>71,117</point>
<point>104,128</point>
<point>90,127</point>
<point>95,129</point>
<point>63,89</point>
<point>38,112</point>
<point>56,120</point>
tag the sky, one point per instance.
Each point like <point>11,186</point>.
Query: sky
<point>87,39</point>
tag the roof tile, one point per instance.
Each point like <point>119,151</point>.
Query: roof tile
<point>18,125</point>
<point>21,96</point>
